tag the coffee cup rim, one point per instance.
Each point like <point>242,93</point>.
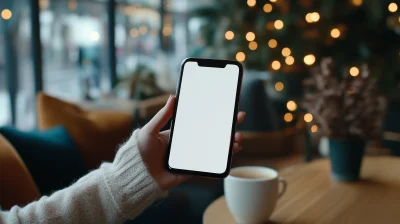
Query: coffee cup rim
<point>275,173</point>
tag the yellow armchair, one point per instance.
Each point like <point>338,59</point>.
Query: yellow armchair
<point>16,184</point>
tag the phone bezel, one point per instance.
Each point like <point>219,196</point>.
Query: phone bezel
<point>207,63</point>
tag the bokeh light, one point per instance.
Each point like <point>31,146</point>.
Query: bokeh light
<point>291,105</point>
<point>335,33</point>
<point>286,51</point>
<point>289,60</point>
<point>314,16</point>
<point>308,117</point>
<point>357,2</point>
<point>308,18</point>
<point>267,8</point>
<point>309,59</point>
<point>6,14</point>
<point>250,36</point>
<point>240,56</point>
<point>272,43</point>
<point>251,3</point>
<point>288,117</point>
<point>229,35</point>
<point>354,71</point>
<point>278,24</point>
<point>276,65</point>
<point>167,31</point>
<point>253,45</point>
<point>279,86</point>
<point>393,7</point>
<point>314,128</point>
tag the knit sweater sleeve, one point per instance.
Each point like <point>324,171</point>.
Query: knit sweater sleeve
<point>111,194</point>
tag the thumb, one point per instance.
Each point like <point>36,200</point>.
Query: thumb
<point>161,118</point>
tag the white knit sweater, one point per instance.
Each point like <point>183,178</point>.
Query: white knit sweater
<point>111,194</point>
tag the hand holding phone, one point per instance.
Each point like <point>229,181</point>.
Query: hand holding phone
<point>206,105</point>
<point>152,145</point>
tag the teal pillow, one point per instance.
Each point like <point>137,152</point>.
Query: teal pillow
<point>51,156</point>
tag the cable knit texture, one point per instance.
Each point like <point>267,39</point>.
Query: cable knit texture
<point>111,194</point>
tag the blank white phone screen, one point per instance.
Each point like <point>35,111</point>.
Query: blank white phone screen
<point>204,116</point>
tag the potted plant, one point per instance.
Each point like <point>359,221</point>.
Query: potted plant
<point>348,110</point>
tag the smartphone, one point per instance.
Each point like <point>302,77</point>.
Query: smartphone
<point>204,120</point>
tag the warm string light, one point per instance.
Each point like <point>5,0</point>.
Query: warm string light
<point>6,14</point>
<point>272,43</point>
<point>308,117</point>
<point>288,117</point>
<point>229,35</point>
<point>393,7</point>
<point>291,105</point>
<point>312,17</point>
<point>240,56</point>
<point>267,8</point>
<point>289,60</point>
<point>250,36</point>
<point>314,128</point>
<point>286,51</point>
<point>335,33</point>
<point>279,86</point>
<point>251,3</point>
<point>357,2</point>
<point>354,71</point>
<point>309,59</point>
<point>272,0</point>
<point>276,65</point>
<point>308,18</point>
<point>253,45</point>
<point>315,17</point>
<point>278,24</point>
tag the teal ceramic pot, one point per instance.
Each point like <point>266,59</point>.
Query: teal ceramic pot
<point>346,159</point>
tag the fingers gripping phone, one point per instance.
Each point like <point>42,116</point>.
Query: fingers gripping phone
<point>204,119</point>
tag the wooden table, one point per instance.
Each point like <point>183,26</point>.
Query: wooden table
<point>313,197</point>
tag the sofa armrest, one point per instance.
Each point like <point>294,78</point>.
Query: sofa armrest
<point>16,183</point>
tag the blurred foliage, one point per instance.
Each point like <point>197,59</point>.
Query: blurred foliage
<point>369,33</point>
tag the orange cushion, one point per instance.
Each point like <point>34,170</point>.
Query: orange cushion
<point>16,184</point>
<point>96,133</point>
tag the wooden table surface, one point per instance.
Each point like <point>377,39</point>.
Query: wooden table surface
<point>313,197</point>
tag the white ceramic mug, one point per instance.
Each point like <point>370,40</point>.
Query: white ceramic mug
<point>251,193</point>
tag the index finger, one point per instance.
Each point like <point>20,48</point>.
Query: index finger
<point>240,117</point>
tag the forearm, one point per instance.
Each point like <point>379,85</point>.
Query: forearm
<point>111,194</point>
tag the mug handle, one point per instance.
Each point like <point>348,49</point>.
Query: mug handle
<point>284,185</point>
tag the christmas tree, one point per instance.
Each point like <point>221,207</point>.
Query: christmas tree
<point>290,36</point>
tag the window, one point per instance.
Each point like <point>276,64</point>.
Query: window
<point>75,52</point>
<point>4,100</point>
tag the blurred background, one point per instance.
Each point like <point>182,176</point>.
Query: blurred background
<point>83,49</point>
<point>78,76</point>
